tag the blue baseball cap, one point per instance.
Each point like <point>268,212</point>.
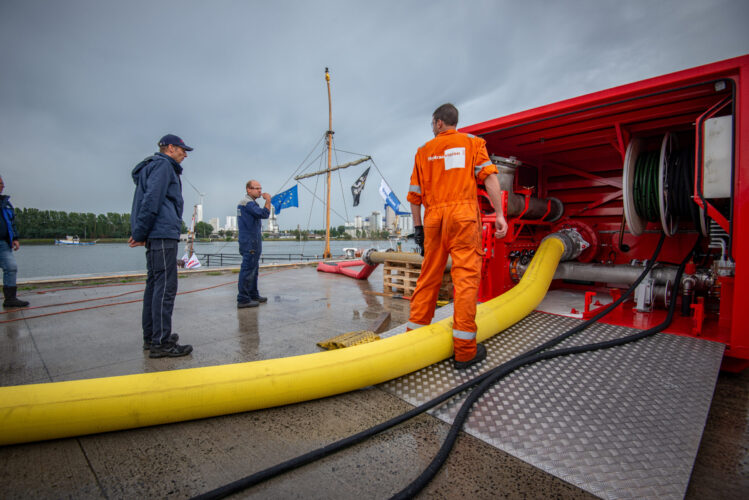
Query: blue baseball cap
<point>174,141</point>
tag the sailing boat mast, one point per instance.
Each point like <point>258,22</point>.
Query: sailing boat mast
<point>329,137</point>
<point>329,145</point>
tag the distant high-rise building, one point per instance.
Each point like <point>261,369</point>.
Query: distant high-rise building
<point>272,221</point>
<point>375,221</point>
<point>231,223</point>
<point>214,224</point>
<point>406,224</point>
<point>390,219</point>
<point>350,229</point>
<point>199,215</point>
<point>358,222</point>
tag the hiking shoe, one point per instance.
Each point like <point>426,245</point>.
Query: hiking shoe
<point>172,338</point>
<point>169,350</point>
<point>261,299</point>
<point>252,303</point>
<point>478,358</point>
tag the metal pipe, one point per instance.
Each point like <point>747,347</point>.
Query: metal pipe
<point>537,207</point>
<point>373,256</point>
<point>688,285</point>
<point>622,274</point>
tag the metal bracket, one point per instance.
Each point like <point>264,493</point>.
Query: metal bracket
<point>644,294</point>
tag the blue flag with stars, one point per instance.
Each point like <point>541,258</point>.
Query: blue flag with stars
<point>288,198</point>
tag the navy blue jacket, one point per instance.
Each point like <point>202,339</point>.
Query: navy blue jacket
<point>157,202</point>
<point>249,216</point>
<point>9,216</point>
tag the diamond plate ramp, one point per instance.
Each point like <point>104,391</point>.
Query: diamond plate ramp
<point>624,422</point>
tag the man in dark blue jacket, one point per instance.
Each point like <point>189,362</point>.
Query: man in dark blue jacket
<point>155,222</point>
<point>8,244</point>
<point>249,221</point>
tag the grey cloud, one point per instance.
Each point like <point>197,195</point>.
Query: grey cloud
<point>89,86</point>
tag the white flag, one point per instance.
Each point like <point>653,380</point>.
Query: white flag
<point>390,198</point>
<point>193,262</point>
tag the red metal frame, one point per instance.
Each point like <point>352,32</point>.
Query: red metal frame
<point>712,212</point>
<point>573,150</point>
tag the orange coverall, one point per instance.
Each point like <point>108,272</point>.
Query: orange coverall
<point>446,172</point>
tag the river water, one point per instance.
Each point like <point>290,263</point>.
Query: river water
<point>48,261</point>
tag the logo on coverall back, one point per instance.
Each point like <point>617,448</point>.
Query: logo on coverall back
<point>454,158</point>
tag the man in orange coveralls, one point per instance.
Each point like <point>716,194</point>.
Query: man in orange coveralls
<point>446,173</point>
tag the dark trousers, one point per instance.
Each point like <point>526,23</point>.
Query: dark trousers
<point>161,289</point>
<point>248,277</point>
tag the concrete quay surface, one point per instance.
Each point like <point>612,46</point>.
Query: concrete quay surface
<point>93,330</point>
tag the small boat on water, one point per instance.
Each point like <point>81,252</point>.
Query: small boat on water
<point>74,240</point>
<point>351,252</point>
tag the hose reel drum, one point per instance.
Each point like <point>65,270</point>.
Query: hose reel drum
<point>658,186</point>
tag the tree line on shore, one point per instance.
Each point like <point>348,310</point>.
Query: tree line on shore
<point>40,224</point>
<point>35,223</point>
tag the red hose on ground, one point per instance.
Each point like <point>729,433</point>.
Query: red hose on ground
<point>343,268</point>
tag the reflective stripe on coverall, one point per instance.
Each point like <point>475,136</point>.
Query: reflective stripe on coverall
<point>444,179</point>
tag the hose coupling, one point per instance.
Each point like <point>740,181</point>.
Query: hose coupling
<point>574,243</point>
<point>366,257</point>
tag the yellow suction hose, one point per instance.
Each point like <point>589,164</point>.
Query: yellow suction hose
<point>62,409</point>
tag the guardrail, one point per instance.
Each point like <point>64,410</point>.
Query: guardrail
<point>233,259</point>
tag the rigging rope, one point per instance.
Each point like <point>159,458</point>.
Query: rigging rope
<point>301,164</point>
<point>340,181</point>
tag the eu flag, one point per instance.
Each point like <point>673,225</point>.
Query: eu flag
<point>288,198</point>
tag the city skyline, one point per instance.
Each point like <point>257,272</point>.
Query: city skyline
<point>404,224</point>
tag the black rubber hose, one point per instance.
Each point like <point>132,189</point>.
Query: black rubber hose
<point>645,185</point>
<point>500,372</point>
<point>296,462</point>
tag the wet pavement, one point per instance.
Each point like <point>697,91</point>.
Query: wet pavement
<point>93,330</point>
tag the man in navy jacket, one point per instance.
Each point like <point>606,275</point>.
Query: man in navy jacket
<point>249,221</point>
<point>155,222</point>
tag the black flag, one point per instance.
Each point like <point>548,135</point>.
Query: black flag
<point>356,189</point>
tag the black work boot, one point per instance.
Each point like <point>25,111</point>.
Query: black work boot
<point>251,303</point>
<point>172,338</point>
<point>169,350</point>
<point>10,297</point>
<point>478,358</point>
<point>260,299</point>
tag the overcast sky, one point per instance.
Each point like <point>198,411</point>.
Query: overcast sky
<point>88,87</point>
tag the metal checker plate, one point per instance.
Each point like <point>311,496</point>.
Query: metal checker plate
<point>624,422</point>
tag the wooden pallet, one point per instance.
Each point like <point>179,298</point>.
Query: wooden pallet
<point>400,278</point>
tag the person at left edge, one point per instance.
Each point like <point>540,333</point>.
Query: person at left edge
<point>155,222</point>
<point>8,244</point>
<point>249,222</point>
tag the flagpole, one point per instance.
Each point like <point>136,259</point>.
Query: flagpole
<point>329,135</point>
